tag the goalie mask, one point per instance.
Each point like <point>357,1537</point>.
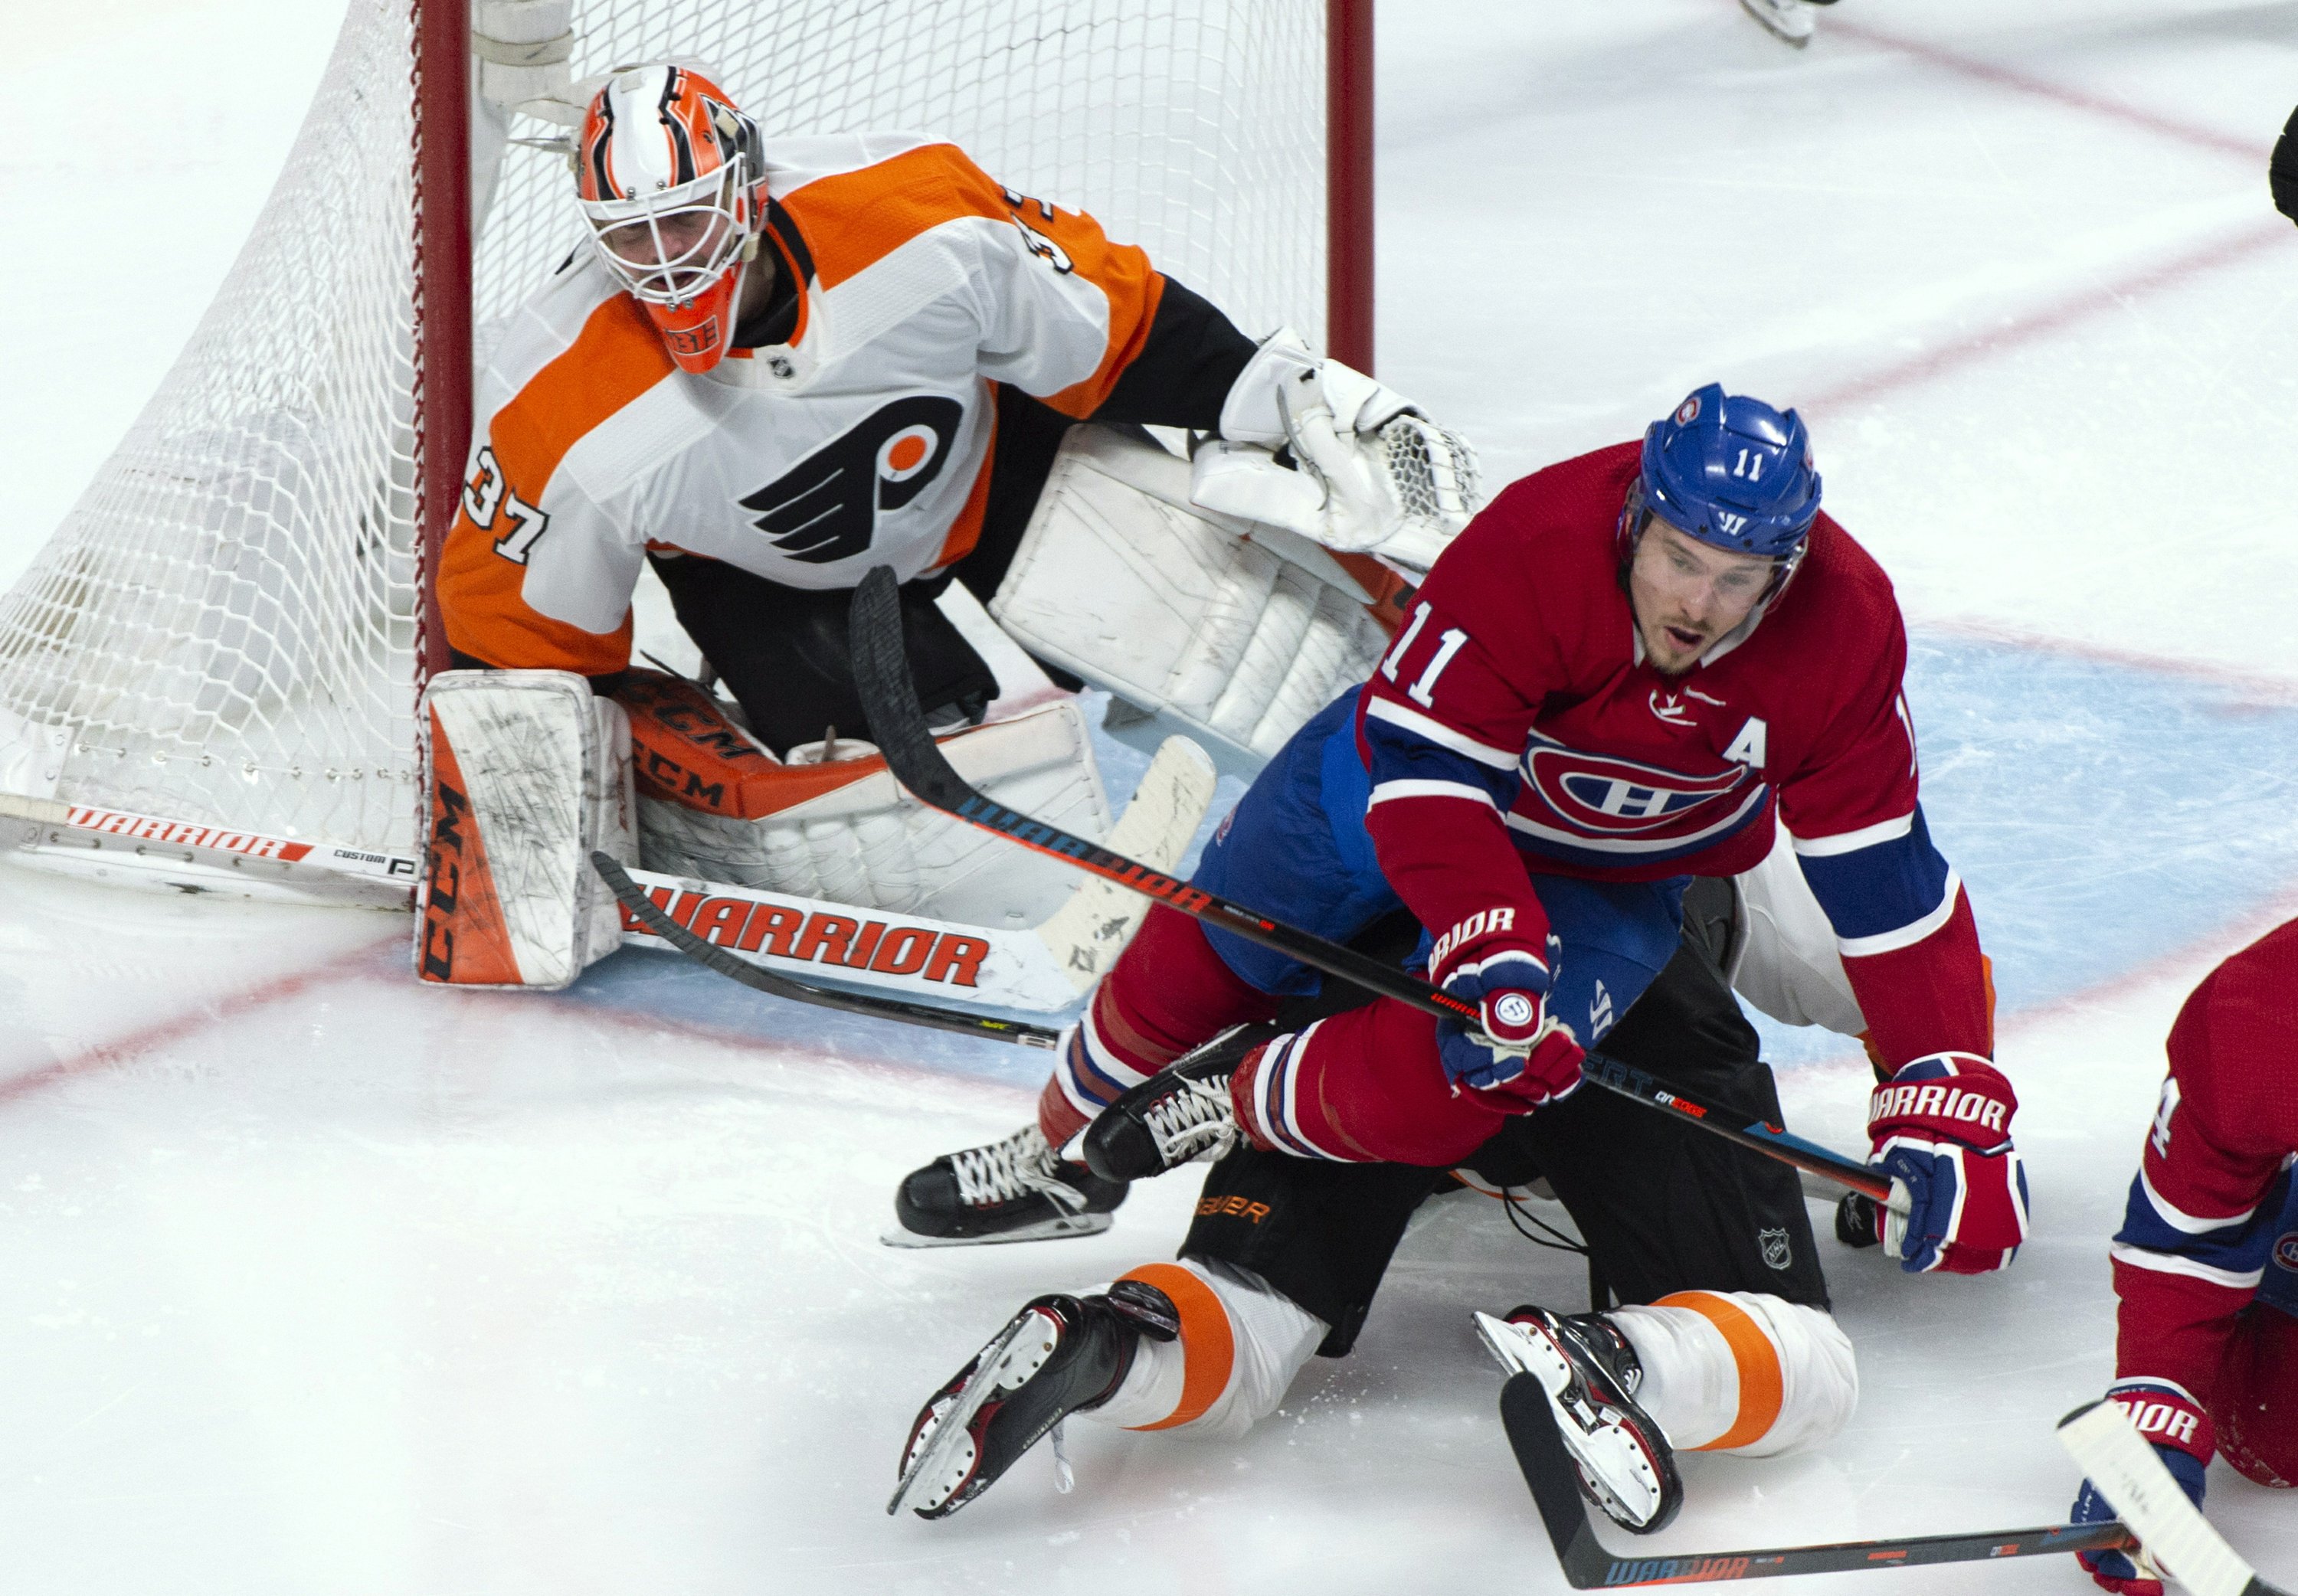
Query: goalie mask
<point>668,175</point>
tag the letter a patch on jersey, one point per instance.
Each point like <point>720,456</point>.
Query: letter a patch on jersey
<point>1748,748</point>
<point>825,507</point>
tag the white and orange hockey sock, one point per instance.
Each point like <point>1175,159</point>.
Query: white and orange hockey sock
<point>1240,1345</point>
<point>1741,1371</point>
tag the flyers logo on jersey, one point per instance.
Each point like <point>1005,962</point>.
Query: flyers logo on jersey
<point>825,507</point>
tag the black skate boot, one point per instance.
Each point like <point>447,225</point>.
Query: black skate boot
<point>1590,1374</point>
<point>1058,1356</point>
<point>1179,1115</point>
<point>1018,1189</point>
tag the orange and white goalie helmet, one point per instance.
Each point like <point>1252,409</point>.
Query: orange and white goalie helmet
<point>669,176</point>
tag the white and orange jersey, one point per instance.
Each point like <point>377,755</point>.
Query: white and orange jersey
<point>865,440</point>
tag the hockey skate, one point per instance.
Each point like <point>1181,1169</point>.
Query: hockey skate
<point>1790,19</point>
<point>1059,1355</point>
<point>1590,1372</point>
<point>1017,1189</point>
<point>1179,1115</point>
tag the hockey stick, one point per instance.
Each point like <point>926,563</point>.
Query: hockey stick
<point>737,968</point>
<point>2121,1463</point>
<point>897,724</point>
<point>1588,1566</point>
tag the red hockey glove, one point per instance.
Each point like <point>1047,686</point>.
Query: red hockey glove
<point>1941,1129</point>
<point>1519,1049</point>
<point>2167,1414</point>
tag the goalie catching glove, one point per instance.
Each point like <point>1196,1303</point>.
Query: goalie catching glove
<point>1941,1129</point>
<point>1367,473</point>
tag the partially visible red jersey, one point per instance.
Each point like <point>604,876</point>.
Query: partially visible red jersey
<point>1516,728</point>
<point>2205,1209</point>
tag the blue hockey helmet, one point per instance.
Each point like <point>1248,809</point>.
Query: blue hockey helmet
<point>1732,472</point>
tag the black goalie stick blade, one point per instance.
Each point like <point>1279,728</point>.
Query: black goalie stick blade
<point>643,909</point>
<point>1588,1566</point>
<point>897,724</point>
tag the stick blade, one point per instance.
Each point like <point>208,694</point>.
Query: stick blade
<point>1547,1468</point>
<point>1092,927</point>
<point>889,696</point>
<point>2123,1464</point>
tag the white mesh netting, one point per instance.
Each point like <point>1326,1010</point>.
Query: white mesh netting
<point>224,626</point>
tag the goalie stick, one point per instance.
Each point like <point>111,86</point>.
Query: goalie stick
<point>1588,1566</point>
<point>2124,1467</point>
<point>737,968</point>
<point>897,724</point>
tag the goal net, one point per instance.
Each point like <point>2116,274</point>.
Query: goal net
<point>226,630</point>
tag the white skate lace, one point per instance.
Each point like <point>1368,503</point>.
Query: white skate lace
<point>1195,1122</point>
<point>1004,1171</point>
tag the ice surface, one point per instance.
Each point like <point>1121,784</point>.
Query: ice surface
<point>313,1282</point>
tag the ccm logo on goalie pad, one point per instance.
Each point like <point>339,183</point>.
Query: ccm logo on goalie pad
<point>838,939</point>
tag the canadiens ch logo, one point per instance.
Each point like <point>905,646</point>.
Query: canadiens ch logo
<point>825,507</point>
<point>1603,796</point>
<point>2286,1250</point>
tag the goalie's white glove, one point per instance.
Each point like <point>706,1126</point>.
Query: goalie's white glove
<point>1370,474</point>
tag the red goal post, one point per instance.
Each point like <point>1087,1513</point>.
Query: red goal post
<point>230,628</point>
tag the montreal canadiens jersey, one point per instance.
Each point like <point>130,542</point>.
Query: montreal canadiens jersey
<point>2207,1215</point>
<point>1516,728</point>
<point>864,440</point>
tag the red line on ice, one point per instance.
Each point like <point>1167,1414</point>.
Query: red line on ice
<point>232,1005</point>
<point>2253,688</point>
<point>2054,319</point>
<point>2042,89</point>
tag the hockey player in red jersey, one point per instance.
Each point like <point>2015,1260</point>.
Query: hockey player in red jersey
<point>1625,673</point>
<point>2206,1262</point>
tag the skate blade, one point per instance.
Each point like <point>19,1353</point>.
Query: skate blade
<point>1519,1352</point>
<point>951,1431</point>
<point>1075,1224</point>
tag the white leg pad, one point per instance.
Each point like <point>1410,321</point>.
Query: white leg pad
<point>1788,966</point>
<point>1741,1372</point>
<point>867,843</point>
<point>529,774</point>
<point>1241,1340</point>
<point>1239,630</point>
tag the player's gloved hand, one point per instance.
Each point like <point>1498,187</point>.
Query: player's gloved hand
<point>2282,170</point>
<point>1518,1047</point>
<point>1941,1129</point>
<point>2166,1415</point>
<point>1321,449</point>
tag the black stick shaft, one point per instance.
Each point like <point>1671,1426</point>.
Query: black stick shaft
<point>881,670</point>
<point>1588,1566</point>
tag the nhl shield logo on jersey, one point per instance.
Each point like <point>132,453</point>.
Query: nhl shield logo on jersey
<point>1777,1254</point>
<point>825,508</point>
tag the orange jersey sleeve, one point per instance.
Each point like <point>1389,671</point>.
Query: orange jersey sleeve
<point>527,551</point>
